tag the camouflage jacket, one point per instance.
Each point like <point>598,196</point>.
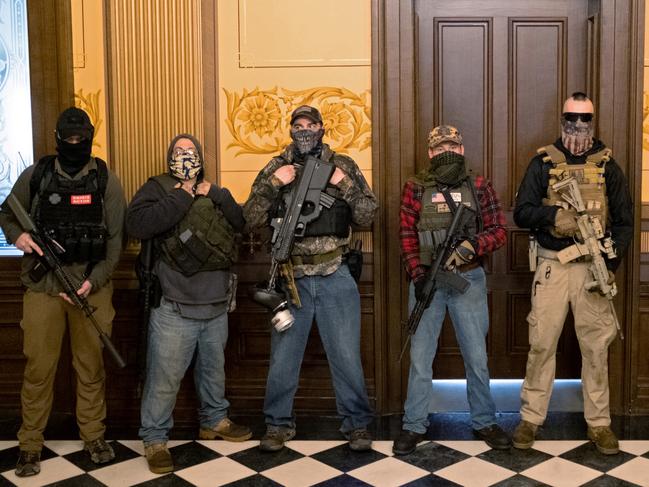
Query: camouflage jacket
<point>353,189</point>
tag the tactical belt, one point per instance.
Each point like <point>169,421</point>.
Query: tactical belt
<point>319,258</point>
<point>543,253</point>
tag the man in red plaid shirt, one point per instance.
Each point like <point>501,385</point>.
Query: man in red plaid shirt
<point>425,216</point>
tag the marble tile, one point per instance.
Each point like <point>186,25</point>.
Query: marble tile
<point>220,471</point>
<point>475,472</point>
<point>344,459</point>
<point>130,472</point>
<point>556,448</point>
<point>635,447</point>
<point>588,455</point>
<point>514,459</point>
<point>389,472</point>
<point>301,473</point>
<point>259,460</point>
<point>561,473</point>
<point>52,470</point>
<point>636,471</point>
<point>472,448</point>
<point>306,447</point>
<point>433,456</point>
<point>228,447</point>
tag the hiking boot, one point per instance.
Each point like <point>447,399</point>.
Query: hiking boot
<point>275,437</point>
<point>359,439</point>
<point>159,458</point>
<point>407,442</point>
<point>226,430</point>
<point>494,436</point>
<point>604,439</point>
<point>29,463</point>
<point>99,450</point>
<point>524,435</point>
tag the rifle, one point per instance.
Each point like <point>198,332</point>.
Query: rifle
<point>594,243</point>
<point>50,261</point>
<point>144,271</point>
<point>304,205</point>
<point>438,275</point>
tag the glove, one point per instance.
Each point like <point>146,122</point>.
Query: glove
<point>462,254</point>
<point>419,288</point>
<point>565,222</point>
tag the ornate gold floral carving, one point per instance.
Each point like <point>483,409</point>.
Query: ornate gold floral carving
<point>90,103</point>
<point>258,120</point>
<point>645,122</point>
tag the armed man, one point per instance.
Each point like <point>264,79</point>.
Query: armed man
<point>76,200</point>
<point>192,223</point>
<point>327,291</point>
<point>572,193</point>
<point>428,205</point>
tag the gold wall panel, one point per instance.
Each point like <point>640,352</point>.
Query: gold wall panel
<point>155,81</point>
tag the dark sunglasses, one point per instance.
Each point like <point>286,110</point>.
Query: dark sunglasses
<point>574,116</point>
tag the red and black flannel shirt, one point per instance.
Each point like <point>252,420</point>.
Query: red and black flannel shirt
<point>492,237</point>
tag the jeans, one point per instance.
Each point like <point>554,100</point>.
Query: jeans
<point>470,318</point>
<point>334,302</point>
<point>171,345</point>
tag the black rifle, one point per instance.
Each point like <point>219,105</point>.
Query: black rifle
<point>304,204</point>
<point>149,295</point>
<point>438,275</point>
<point>50,261</point>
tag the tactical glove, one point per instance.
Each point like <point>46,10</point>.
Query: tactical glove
<point>462,254</point>
<point>419,288</point>
<point>565,222</point>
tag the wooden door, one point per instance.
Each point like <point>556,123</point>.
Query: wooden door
<point>499,71</point>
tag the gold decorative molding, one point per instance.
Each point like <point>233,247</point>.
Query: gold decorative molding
<point>90,104</point>
<point>258,120</point>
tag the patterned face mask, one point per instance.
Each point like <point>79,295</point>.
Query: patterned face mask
<point>577,136</point>
<point>185,164</point>
<point>306,140</point>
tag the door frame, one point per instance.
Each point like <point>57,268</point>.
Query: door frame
<point>393,159</point>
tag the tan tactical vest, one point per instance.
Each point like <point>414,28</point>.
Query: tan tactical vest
<point>589,176</point>
<point>436,217</point>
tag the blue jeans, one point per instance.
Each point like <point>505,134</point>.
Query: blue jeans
<point>333,301</point>
<point>171,345</point>
<point>470,318</point>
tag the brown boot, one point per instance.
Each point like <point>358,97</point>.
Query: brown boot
<point>159,458</point>
<point>226,430</point>
<point>604,439</point>
<point>524,435</point>
<point>29,463</point>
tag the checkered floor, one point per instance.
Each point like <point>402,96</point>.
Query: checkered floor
<point>331,463</point>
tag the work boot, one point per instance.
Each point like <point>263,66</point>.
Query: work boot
<point>29,463</point>
<point>524,435</point>
<point>494,436</point>
<point>226,430</point>
<point>604,439</point>
<point>407,442</point>
<point>275,437</point>
<point>159,458</point>
<point>359,439</point>
<point>99,450</point>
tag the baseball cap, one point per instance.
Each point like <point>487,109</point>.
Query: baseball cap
<point>306,111</point>
<point>444,133</point>
<point>74,121</point>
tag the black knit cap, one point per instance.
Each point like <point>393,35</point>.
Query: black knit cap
<point>74,121</point>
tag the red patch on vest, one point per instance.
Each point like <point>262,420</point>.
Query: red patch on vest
<point>81,199</point>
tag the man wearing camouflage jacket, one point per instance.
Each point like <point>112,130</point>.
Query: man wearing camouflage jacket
<point>327,291</point>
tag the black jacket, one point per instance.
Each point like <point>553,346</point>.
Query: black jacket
<point>530,212</point>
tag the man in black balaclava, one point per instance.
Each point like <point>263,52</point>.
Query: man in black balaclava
<point>75,198</point>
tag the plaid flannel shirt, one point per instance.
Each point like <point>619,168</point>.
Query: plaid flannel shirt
<point>492,237</point>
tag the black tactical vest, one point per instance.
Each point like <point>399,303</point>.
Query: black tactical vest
<point>72,210</point>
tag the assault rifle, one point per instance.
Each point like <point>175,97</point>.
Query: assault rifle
<point>438,275</point>
<point>149,295</point>
<point>591,241</point>
<point>50,261</point>
<point>304,204</point>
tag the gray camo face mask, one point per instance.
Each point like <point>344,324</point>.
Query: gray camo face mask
<point>306,140</point>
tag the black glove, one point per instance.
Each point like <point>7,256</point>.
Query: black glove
<point>419,288</point>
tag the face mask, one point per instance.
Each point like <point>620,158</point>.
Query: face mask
<point>185,164</point>
<point>577,135</point>
<point>306,140</point>
<point>448,167</point>
<point>74,155</point>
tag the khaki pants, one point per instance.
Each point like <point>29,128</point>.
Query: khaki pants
<point>44,322</point>
<point>557,286</point>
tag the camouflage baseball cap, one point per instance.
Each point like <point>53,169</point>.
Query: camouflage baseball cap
<point>306,111</point>
<point>444,133</point>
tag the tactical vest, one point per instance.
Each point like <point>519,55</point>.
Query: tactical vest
<point>589,176</point>
<point>435,217</point>
<point>72,210</point>
<point>335,221</point>
<point>202,241</point>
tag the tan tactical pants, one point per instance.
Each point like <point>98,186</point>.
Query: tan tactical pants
<point>44,322</point>
<point>555,287</point>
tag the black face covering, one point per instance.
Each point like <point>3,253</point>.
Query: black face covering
<point>73,157</point>
<point>448,168</point>
<point>307,142</point>
<point>74,122</point>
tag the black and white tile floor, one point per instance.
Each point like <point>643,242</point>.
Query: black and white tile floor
<point>555,460</point>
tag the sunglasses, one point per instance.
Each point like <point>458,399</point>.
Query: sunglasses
<point>574,116</point>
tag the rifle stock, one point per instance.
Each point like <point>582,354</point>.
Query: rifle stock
<point>52,262</point>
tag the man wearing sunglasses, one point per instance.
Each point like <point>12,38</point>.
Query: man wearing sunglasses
<point>558,286</point>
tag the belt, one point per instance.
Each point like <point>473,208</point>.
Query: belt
<point>544,253</point>
<point>318,258</point>
<point>469,266</point>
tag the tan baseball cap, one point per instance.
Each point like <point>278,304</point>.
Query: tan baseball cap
<point>444,133</point>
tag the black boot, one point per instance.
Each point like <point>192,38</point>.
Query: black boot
<point>494,436</point>
<point>407,442</point>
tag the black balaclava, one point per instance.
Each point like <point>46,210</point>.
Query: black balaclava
<point>447,168</point>
<point>186,168</point>
<point>74,122</point>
